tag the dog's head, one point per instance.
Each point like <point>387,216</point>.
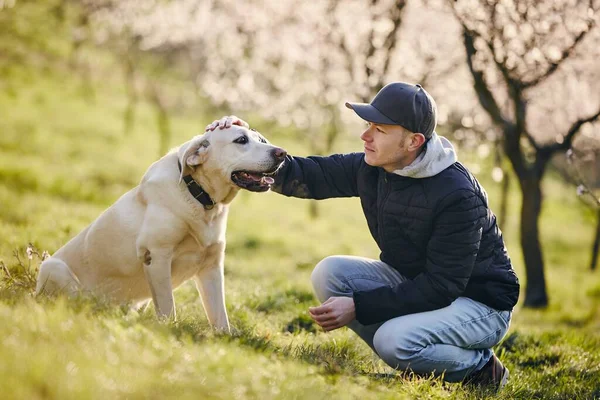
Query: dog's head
<point>239,156</point>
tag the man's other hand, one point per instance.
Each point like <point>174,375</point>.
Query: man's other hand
<point>334,313</point>
<point>226,122</point>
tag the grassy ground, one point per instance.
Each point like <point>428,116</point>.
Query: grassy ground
<point>64,159</point>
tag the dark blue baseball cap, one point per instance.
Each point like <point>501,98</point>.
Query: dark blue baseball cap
<point>400,103</point>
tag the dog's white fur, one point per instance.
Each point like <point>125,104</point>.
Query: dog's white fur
<point>157,236</point>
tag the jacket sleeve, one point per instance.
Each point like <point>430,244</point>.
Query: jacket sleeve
<point>318,177</point>
<point>451,254</point>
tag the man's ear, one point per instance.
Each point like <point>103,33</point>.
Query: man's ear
<point>417,140</point>
<point>195,154</point>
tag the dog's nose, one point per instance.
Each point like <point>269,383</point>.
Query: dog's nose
<point>279,153</point>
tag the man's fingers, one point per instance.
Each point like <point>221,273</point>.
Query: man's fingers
<point>226,122</point>
<point>327,321</point>
<point>331,326</point>
<point>233,120</point>
<point>324,317</point>
<point>322,309</point>
<point>222,123</point>
<point>239,121</point>
<point>215,124</point>
<point>332,323</point>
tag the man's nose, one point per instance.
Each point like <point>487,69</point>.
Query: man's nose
<point>365,135</point>
<point>279,153</point>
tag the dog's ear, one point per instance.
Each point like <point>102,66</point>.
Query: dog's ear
<point>195,154</point>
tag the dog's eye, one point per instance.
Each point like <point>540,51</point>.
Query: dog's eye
<point>241,140</point>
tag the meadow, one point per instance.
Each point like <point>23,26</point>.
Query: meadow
<point>64,158</point>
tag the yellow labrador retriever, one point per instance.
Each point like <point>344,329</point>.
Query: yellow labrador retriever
<point>168,229</point>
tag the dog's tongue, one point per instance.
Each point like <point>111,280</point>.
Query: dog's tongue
<point>265,180</point>
<point>254,177</point>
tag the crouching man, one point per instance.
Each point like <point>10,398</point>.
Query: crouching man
<point>441,294</point>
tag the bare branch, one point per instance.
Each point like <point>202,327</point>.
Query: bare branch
<point>575,176</point>
<point>348,56</point>
<point>392,38</point>
<point>371,51</point>
<point>564,56</point>
<point>485,95</point>
<point>516,94</point>
<point>531,140</point>
<point>568,139</point>
<point>487,100</point>
<point>395,13</point>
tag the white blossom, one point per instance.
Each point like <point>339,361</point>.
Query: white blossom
<point>581,189</point>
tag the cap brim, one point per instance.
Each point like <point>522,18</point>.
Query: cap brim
<point>370,113</point>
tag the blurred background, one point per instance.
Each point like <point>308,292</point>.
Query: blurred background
<point>93,91</point>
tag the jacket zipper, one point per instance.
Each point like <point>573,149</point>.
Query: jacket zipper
<point>380,209</point>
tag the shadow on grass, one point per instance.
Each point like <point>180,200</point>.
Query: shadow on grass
<point>528,351</point>
<point>333,357</point>
<point>280,300</point>
<point>301,323</point>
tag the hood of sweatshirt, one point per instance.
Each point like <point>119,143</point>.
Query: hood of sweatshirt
<point>439,154</point>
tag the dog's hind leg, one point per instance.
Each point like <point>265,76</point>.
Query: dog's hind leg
<point>55,277</point>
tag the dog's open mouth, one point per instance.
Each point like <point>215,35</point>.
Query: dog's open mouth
<point>253,181</point>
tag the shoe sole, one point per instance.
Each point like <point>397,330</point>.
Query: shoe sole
<point>504,379</point>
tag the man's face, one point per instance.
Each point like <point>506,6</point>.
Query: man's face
<point>387,146</point>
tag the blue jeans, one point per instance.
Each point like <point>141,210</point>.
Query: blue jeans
<point>453,341</point>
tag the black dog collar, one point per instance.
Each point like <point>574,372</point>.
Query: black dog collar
<point>196,190</point>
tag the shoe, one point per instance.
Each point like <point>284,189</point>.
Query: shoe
<point>493,375</point>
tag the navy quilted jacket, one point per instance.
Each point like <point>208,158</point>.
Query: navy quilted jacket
<point>437,231</point>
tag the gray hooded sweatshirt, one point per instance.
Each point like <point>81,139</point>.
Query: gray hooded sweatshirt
<point>439,154</point>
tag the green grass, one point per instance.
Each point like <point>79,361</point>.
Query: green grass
<point>63,160</point>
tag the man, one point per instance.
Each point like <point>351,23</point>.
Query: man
<point>441,295</point>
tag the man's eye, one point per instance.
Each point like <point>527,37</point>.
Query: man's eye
<point>241,140</point>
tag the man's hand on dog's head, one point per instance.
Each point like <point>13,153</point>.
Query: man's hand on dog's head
<point>226,122</point>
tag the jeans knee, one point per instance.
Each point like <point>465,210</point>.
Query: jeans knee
<point>395,348</point>
<point>327,279</point>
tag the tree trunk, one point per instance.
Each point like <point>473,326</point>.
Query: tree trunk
<point>313,209</point>
<point>132,98</point>
<point>596,245</point>
<point>164,129</point>
<point>504,188</point>
<point>162,120</point>
<point>504,199</point>
<point>535,292</point>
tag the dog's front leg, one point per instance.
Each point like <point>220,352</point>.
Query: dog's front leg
<point>157,268</point>
<point>211,285</point>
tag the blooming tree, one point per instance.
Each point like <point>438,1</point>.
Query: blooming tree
<point>534,70</point>
<point>583,170</point>
<point>293,62</point>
